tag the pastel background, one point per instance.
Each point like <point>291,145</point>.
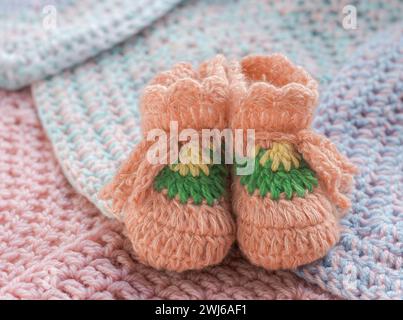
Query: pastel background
<point>56,244</point>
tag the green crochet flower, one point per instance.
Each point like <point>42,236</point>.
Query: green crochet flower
<point>201,187</point>
<point>296,181</point>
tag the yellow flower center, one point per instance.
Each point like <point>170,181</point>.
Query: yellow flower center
<point>281,153</point>
<point>192,155</point>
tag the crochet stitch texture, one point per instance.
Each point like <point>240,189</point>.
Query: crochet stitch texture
<point>175,233</point>
<point>54,244</point>
<point>31,49</point>
<point>91,117</point>
<point>292,182</point>
<point>283,230</point>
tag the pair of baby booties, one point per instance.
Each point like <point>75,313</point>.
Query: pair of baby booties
<point>187,216</point>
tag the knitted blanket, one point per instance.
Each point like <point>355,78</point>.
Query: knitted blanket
<point>39,38</point>
<point>362,111</point>
<point>54,244</point>
<point>90,112</point>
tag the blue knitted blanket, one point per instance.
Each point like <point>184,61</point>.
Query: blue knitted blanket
<point>39,38</point>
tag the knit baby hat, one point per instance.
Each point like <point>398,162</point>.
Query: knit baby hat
<point>91,113</point>
<point>39,38</point>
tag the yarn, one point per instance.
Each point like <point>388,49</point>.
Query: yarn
<point>54,244</point>
<point>193,156</point>
<point>366,115</point>
<point>286,232</point>
<point>31,48</point>
<point>279,170</point>
<point>194,180</point>
<point>202,187</point>
<point>166,232</point>
<point>294,181</point>
<point>281,153</point>
<point>90,113</point>
<point>285,102</point>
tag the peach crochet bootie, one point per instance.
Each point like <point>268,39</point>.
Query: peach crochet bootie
<point>286,207</point>
<point>177,215</point>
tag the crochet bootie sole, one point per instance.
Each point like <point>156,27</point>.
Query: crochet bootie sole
<point>284,234</point>
<point>169,235</point>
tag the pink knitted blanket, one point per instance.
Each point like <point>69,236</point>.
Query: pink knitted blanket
<point>54,244</point>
